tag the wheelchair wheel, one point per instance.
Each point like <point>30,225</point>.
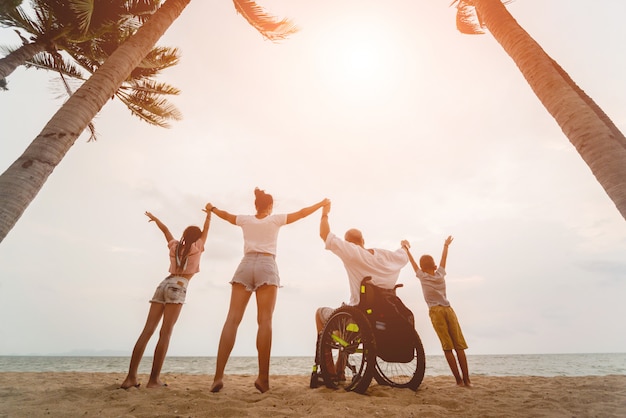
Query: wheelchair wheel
<point>403,375</point>
<point>346,351</point>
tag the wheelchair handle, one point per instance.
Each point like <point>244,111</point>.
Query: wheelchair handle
<point>369,278</point>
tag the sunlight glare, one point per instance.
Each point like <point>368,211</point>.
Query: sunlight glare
<point>360,58</point>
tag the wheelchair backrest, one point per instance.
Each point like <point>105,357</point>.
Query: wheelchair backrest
<point>392,322</point>
<point>383,304</point>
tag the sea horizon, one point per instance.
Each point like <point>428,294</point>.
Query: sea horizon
<point>551,364</point>
<point>126,353</point>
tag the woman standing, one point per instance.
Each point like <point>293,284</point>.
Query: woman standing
<point>258,273</point>
<point>169,297</point>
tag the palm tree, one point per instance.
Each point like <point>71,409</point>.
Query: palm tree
<point>89,32</point>
<point>58,25</point>
<point>139,92</point>
<point>21,182</point>
<point>598,141</point>
<point>61,25</point>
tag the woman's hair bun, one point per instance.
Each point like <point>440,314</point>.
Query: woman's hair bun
<point>263,200</point>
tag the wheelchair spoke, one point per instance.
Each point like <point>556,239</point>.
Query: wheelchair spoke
<point>342,351</point>
<point>339,340</point>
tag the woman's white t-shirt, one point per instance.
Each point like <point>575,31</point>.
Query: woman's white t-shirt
<point>260,235</point>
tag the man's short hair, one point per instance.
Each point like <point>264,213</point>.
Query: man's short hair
<point>354,236</point>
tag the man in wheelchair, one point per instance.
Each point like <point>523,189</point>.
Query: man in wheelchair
<point>373,336</point>
<point>383,266</point>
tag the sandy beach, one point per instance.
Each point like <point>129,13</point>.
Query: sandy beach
<point>97,394</point>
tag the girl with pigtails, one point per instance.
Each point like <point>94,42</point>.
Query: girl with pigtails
<point>169,297</point>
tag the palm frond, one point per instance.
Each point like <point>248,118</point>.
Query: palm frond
<point>151,87</point>
<point>93,135</point>
<point>91,53</point>
<point>8,16</point>
<point>142,9</point>
<point>83,11</point>
<point>161,57</point>
<point>149,107</point>
<point>86,58</point>
<point>46,61</point>
<point>269,26</point>
<point>6,5</point>
<point>18,18</point>
<point>468,20</point>
<point>96,17</point>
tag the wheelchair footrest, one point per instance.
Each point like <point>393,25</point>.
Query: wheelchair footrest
<point>316,380</point>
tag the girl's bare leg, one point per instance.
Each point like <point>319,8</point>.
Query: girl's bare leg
<point>170,316</point>
<point>239,298</point>
<point>266,301</point>
<point>154,316</point>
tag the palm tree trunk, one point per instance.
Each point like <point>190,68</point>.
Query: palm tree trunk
<point>618,135</point>
<point>19,57</point>
<point>21,182</point>
<point>601,145</point>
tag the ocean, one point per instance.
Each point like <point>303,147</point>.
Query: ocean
<point>546,365</point>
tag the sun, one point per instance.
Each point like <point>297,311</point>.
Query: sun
<point>359,57</point>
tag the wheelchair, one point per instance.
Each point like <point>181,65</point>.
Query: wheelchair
<point>374,340</point>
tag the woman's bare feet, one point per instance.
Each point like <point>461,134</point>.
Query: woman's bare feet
<point>217,386</point>
<point>130,383</point>
<point>262,385</point>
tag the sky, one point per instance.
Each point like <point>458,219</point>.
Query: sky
<point>413,131</point>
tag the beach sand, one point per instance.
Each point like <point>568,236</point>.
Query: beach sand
<point>97,394</point>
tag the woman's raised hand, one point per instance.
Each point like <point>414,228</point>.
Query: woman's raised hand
<point>326,207</point>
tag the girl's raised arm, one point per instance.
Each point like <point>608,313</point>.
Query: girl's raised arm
<point>207,221</point>
<point>161,225</point>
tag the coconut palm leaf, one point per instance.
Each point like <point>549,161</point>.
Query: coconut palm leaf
<point>157,60</point>
<point>9,4</point>
<point>83,11</point>
<point>47,61</point>
<point>140,92</point>
<point>144,99</point>
<point>269,26</point>
<point>16,17</point>
<point>142,9</point>
<point>468,20</point>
